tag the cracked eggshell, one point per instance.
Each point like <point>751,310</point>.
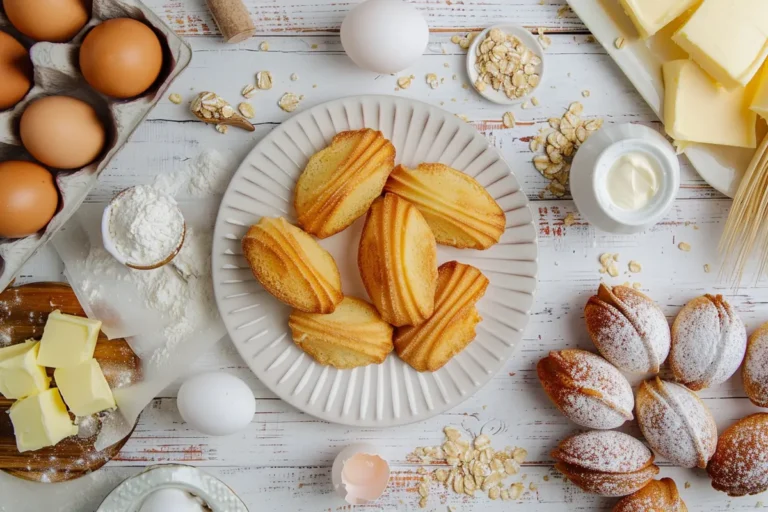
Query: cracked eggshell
<point>359,474</point>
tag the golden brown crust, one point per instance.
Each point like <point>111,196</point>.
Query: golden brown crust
<point>292,266</point>
<point>430,345</point>
<point>459,210</point>
<point>657,496</point>
<point>607,484</point>
<point>755,370</point>
<point>341,181</point>
<point>740,464</point>
<point>397,259</point>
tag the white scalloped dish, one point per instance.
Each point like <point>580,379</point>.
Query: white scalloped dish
<point>391,393</point>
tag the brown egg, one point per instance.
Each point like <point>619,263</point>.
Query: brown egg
<point>62,132</point>
<point>48,20</point>
<point>28,198</point>
<point>15,71</point>
<point>121,58</point>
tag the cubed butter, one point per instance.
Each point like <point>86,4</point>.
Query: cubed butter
<point>20,375</point>
<point>760,100</point>
<point>84,388</point>
<point>697,110</point>
<point>650,16</point>
<point>67,340</point>
<point>41,420</point>
<point>728,39</point>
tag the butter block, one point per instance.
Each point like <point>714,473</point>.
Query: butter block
<point>20,375</point>
<point>84,388</point>
<point>697,110</point>
<point>760,101</point>
<point>728,39</point>
<point>67,340</point>
<point>650,16</point>
<point>41,420</point>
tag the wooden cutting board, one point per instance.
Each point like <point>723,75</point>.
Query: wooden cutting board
<point>23,313</point>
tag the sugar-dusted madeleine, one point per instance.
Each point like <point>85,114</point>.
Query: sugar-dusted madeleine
<point>398,261</point>
<point>459,210</point>
<point>340,182</point>
<point>740,464</point>
<point>428,346</point>
<point>754,372</point>
<point>292,266</point>
<point>353,335</point>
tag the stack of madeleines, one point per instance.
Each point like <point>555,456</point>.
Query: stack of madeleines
<point>427,314</point>
<point>705,346</point>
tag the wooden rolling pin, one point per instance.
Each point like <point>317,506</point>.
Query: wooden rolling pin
<point>233,20</point>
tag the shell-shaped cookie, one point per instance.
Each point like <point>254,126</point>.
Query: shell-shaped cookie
<point>676,423</point>
<point>657,496</point>
<point>353,335</point>
<point>740,464</point>
<point>607,463</point>
<point>292,266</point>
<point>586,388</point>
<point>755,370</point>
<point>397,259</point>
<point>708,342</point>
<point>341,181</point>
<point>428,346</point>
<point>628,329</point>
<point>459,210</point>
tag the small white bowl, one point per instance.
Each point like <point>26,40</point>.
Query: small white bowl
<point>594,159</point>
<point>528,40</point>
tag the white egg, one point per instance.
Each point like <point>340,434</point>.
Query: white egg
<point>216,403</point>
<point>169,499</point>
<point>385,36</point>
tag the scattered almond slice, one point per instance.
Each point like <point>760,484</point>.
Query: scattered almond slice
<point>175,98</point>
<point>246,109</point>
<point>248,91</point>
<point>289,101</point>
<point>264,80</point>
<point>508,120</point>
<point>634,266</point>
<point>684,246</point>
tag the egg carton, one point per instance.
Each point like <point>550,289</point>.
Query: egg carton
<point>56,72</point>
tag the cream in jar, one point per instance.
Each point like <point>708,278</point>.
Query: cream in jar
<point>633,180</point>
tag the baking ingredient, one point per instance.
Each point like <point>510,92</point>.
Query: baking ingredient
<point>15,71</point>
<point>359,474</point>
<point>20,376</point>
<point>84,388</point>
<point>368,35</point>
<point>697,110</point>
<point>171,499</point>
<point>729,40</point>
<point>48,20</point>
<point>289,101</point>
<point>633,180</point>
<point>264,80</point>
<point>760,101</point>
<point>62,132</point>
<point>121,57</point>
<point>505,63</point>
<point>211,108</point>
<point>67,340</point>
<point>233,20</point>
<point>216,403</point>
<point>28,198</point>
<point>41,420</point>
<point>650,16</point>
<point>145,225</point>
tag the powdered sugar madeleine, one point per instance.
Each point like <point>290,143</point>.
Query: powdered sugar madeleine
<point>292,266</point>
<point>657,496</point>
<point>428,346</point>
<point>708,342</point>
<point>740,464</point>
<point>755,370</point>
<point>353,335</point>
<point>340,182</point>
<point>459,210</point>
<point>628,329</point>
<point>586,388</point>
<point>676,423</point>
<point>397,259</point>
<point>605,462</point>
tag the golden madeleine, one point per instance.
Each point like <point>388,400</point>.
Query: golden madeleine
<point>353,335</point>
<point>429,346</point>
<point>397,259</point>
<point>292,266</point>
<point>459,210</point>
<point>340,182</point>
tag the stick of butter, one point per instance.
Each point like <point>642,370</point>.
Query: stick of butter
<point>20,375</point>
<point>697,110</point>
<point>67,340</point>
<point>650,16</point>
<point>760,101</point>
<point>728,39</point>
<point>41,420</point>
<point>84,388</point>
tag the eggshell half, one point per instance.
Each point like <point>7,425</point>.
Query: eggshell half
<point>359,474</point>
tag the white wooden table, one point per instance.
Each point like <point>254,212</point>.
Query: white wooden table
<point>282,461</point>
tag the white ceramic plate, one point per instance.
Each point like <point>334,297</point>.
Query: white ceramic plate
<point>720,166</point>
<point>391,393</point>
